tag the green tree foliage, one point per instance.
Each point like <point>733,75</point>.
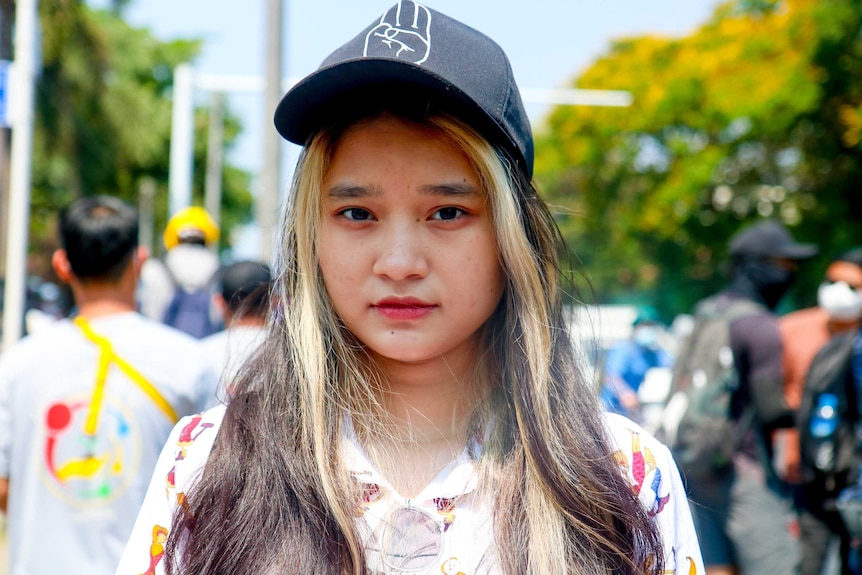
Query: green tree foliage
<point>103,118</point>
<point>756,114</point>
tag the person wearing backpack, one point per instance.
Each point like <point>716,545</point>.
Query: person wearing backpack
<point>742,514</point>
<point>804,332</point>
<point>177,289</point>
<point>818,348</point>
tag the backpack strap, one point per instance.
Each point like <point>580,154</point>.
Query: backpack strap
<point>170,275</point>
<point>107,356</point>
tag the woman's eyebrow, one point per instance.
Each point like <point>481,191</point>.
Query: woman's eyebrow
<point>352,191</point>
<point>355,191</point>
<point>461,189</point>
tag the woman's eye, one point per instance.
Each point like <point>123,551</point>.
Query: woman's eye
<point>448,213</point>
<point>356,214</point>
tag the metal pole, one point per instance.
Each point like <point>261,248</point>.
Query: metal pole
<point>577,97</point>
<point>146,209</point>
<point>20,171</point>
<point>267,193</point>
<point>215,159</point>
<point>182,140</point>
<point>7,16</point>
<point>5,162</point>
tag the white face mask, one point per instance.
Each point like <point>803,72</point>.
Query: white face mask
<point>840,301</point>
<point>646,336</point>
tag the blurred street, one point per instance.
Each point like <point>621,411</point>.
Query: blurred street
<point>4,550</point>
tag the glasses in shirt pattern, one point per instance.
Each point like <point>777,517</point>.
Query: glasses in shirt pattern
<point>412,540</point>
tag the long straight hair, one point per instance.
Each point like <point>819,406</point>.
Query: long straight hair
<point>274,497</point>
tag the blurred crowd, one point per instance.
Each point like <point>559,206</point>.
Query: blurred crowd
<point>782,492</point>
<point>91,393</point>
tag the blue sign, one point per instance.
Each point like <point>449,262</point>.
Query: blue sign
<point>5,68</point>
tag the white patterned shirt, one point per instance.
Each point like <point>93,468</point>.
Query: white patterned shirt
<point>465,545</point>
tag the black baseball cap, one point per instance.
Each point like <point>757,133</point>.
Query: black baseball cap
<point>410,49</point>
<point>769,239</point>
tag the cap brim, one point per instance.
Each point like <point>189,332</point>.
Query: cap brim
<point>314,101</point>
<point>798,252</point>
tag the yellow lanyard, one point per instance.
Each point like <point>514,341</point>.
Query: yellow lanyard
<point>106,357</point>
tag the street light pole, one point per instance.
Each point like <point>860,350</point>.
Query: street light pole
<point>215,159</point>
<point>14,300</point>
<point>182,140</point>
<point>267,208</point>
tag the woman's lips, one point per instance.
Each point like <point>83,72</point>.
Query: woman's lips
<point>403,308</point>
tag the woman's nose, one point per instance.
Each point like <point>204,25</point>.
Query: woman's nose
<point>401,254</point>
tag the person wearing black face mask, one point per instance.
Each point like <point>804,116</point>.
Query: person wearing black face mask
<point>747,513</point>
<point>762,279</point>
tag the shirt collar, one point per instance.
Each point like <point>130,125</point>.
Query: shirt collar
<point>458,478</point>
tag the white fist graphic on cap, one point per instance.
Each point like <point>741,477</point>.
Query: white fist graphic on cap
<point>401,34</point>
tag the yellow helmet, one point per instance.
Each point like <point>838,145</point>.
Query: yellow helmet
<point>190,223</point>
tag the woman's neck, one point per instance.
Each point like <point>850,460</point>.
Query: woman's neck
<point>430,408</point>
<point>429,402</point>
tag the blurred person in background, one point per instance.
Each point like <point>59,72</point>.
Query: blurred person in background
<point>743,516</point>
<point>628,361</point>
<point>177,289</point>
<point>86,404</point>
<point>244,303</point>
<point>804,333</point>
<point>680,328</point>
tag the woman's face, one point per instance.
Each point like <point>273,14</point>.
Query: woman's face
<point>406,243</point>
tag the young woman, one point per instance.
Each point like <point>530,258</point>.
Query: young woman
<point>417,406</point>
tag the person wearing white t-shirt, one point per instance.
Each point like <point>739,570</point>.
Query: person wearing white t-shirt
<point>244,303</point>
<point>87,403</point>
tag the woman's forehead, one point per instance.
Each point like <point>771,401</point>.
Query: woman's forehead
<point>394,142</point>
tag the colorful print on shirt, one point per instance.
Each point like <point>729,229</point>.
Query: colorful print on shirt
<point>372,494</point>
<point>157,548</point>
<point>87,470</point>
<point>639,466</point>
<point>187,436</point>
